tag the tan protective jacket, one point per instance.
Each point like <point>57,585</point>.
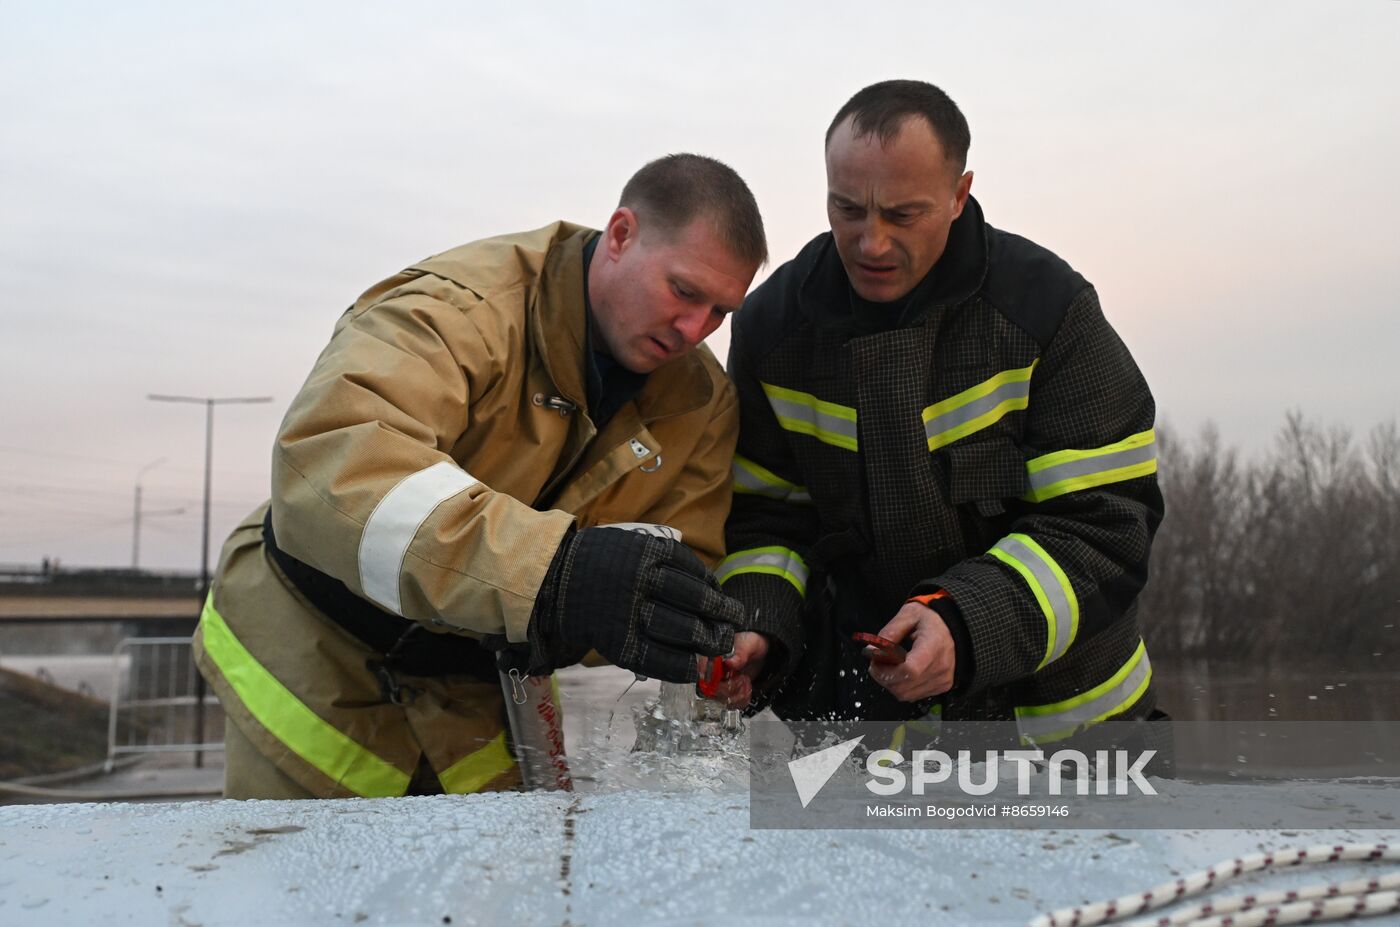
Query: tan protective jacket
<point>432,462</point>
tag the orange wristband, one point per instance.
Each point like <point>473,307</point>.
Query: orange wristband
<point>927,599</point>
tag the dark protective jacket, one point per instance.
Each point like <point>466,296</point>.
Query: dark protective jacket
<point>996,442</point>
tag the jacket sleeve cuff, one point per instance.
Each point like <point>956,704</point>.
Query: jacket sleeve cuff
<point>998,645</point>
<point>947,608</point>
<point>774,610</point>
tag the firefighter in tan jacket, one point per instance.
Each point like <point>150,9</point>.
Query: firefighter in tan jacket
<point>438,486</point>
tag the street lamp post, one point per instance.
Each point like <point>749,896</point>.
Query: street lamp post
<point>136,514</point>
<point>209,402</point>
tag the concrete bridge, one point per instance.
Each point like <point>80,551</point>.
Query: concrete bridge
<point>168,602</point>
<point>53,609</point>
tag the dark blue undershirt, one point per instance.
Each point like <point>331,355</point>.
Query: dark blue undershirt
<point>610,385</point>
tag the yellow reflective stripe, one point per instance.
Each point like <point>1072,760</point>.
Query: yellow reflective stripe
<point>977,407</point>
<point>805,414</point>
<point>1050,586</point>
<point>304,732</point>
<point>929,725</point>
<point>775,561</point>
<point>478,768</point>
<point>750,477</point>
<point>1069,470</point>
<point>1045,723</point>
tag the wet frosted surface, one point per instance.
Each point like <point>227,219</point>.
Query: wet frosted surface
<point>649,840</point>
<point>624,857</point>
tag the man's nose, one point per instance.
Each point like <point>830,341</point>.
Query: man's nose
<point>692,325</point>
<point>874,239</point>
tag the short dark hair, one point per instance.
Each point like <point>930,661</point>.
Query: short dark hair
<point>881,109</point>
<point>673,191</point>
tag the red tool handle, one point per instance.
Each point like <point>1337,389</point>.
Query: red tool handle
<point>880,649</point>
<point>709,686</point>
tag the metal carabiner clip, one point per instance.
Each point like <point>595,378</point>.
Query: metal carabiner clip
<point>517,686</point>
<point>390,689</point>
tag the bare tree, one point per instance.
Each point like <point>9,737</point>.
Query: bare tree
<point>1292,560</point>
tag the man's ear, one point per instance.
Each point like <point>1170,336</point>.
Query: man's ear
<point>960,193</point>
<point>621,232</point>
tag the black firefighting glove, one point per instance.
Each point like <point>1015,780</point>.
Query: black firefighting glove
<point>645,603</point>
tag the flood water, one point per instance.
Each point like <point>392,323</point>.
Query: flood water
<point>1234,691</point>
<point>1233,719</point>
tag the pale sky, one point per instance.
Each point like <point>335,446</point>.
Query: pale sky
<point>190,197</point>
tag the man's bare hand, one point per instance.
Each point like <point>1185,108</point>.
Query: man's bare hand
<point>743,665</point>
<point>928,670</point>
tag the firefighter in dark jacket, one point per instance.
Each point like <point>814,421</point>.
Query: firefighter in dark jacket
<point>944,442</point>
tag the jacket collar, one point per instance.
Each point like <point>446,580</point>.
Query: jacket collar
<point>557,322</point>
<point>557,316</point>
<point>959,273</point>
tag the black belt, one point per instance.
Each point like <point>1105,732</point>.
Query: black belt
<point>406,646</point>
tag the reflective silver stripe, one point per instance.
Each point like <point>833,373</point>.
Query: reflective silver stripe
<point>1049,585</point>
<point>775,561</point>
<point>751,478</point>
<point>977,407</point>
<point>395,522</point>
<point>1066,471</point>
<point>805,414</point>
<point>1045,723</point>
<point>647,527</point>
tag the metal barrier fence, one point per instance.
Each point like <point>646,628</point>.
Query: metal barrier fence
<point>160,703</point>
